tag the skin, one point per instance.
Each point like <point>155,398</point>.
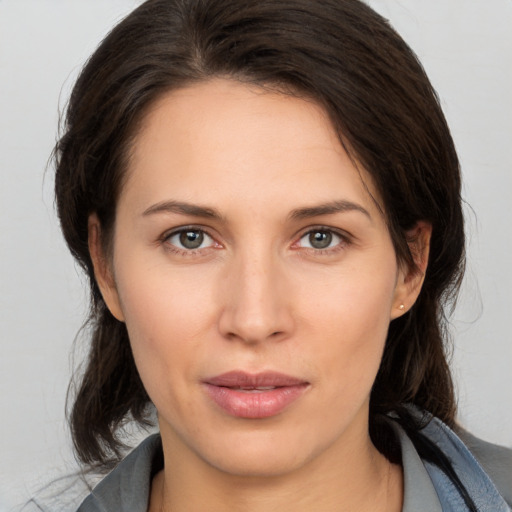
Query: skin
<point>256,296</point>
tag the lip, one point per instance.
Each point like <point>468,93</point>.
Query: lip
<point>254,396</point>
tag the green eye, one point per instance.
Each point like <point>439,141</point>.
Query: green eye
<point>320,239</point>
<point>190,239</point>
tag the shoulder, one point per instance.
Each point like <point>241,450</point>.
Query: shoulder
<point>127,487</point>
<point>495,460</point>
<point>463,469</point>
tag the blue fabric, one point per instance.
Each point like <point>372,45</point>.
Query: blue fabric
<point>479,486</point>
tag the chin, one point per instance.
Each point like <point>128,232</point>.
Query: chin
<point>258,465</point>
<point>261,456</point>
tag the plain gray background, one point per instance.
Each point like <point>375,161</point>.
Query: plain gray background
<point>466,48</point>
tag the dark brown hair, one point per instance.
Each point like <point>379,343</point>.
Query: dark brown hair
<point>339,53</point>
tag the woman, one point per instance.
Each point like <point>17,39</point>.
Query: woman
<point>266,199</point>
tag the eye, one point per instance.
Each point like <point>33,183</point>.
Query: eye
<point>320,239</point>
<point>190,239</point>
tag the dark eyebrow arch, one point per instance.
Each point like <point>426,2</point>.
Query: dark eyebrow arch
<point>328,209</point>
<point>183,208</point>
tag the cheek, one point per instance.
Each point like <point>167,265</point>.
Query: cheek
<point>168,312</point>
<point>156,296</point>
<point>349,320</point>
<point>353,301</point>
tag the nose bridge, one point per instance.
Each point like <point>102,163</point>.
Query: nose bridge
<point>256,307</point>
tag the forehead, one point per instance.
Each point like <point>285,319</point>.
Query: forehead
<point>221,138</point>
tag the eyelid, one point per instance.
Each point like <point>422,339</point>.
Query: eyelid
<point>164,240</point>
<point>346,238</point>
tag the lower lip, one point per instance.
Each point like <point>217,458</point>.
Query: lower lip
<point>254,404</point>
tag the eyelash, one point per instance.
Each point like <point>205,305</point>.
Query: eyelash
<point>344,240</point>
<point>166,237</point>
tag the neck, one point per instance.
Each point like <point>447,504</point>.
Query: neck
<point>359,479</point>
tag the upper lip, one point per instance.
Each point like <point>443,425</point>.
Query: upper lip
<point>241,379</point>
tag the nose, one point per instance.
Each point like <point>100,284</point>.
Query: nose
<point>257,300</point>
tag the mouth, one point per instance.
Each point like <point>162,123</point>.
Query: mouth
<point>254,396</point>
<point>254,390</point>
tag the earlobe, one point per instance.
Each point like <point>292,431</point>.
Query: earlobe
<point>410,280</point>
<point>102,269</point>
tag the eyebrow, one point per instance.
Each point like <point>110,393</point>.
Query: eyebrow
<point>328,209</point>
<point>183,209</point>
<point>307,212</point>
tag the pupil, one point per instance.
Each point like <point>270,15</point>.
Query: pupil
<point>320,239</point>
<point>191,239</point>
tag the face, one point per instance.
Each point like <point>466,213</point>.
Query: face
<point>256,277</point>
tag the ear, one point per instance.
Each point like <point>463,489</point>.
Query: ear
<point>410,280</point>
<point>102,269</point>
